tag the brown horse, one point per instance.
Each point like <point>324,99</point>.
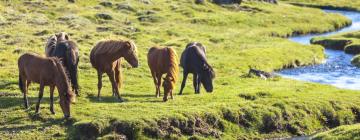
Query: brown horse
<point>161,61</point>
<point>46,72</point>
<point>105,58</point>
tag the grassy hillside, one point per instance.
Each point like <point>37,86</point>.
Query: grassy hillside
<point>341,133</point>
<point>332,4</point>
<point>236,38</point>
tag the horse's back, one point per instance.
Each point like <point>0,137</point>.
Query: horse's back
<point>35,67</point>
<point>192,57</point>
<point>157,59</point>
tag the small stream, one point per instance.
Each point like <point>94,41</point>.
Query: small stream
<point>337,69</point>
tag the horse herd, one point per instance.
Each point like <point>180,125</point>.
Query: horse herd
<point>59,68</point>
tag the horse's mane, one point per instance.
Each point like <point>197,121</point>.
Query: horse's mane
<point>63,74</point>
<point>173,60</point>
<point>110,46</point>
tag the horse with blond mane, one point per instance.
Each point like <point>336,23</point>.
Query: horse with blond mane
<point>46,72</point>
<point>161,61</point>
<point>105,58</point>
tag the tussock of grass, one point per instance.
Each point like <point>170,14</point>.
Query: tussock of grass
<point>340,133</point>
<point>235,39</point>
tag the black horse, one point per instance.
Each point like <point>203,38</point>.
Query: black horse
<point>193,60</point>
<point>68,53</point>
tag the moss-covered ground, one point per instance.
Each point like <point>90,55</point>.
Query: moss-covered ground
<point>252,35</point>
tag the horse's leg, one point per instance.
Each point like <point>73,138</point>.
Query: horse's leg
<point>195,82</point>
<point>198,83</point>
<point>113,83</point>
<point>52,99</point>
<point>171,94</point>
<point>25,87</point>
<point>117,76</point>
<point>41,91</point>
<point>99,83</point>
<point>158,85</point>
<point>183,82</point>
<point>155,83</point>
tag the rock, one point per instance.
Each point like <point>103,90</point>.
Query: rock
<point>199,1</point>
<point>352,49</point>
<point>106,4</point>
<point>227,1</point>
<point>71,1</point>
<point>75,21</point>
<point>336,44</point>
<point>103,29</point>
<point>104,16</point>
<point>38,19</point>
<point>268,1</point>
<point>125,6</point>
<point>356,61</point>
<point>261,74</point>
<point>146,1</point>
<point>41,33</point>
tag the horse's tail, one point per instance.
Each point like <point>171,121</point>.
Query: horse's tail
<point>118,73</point>
<point>92,55</point>
<point>174,64</point>
<point>72,57</point>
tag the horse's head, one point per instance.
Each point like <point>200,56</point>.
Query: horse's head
<point>169,85</point>
<point>207,77</point>
<point>130,54</point>
<point>62,36</point>
<point>65,100</point>
<point>63,86</point>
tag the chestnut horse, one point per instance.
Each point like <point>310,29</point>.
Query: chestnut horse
<point>46,72</point>
<point>161,61</point>
<point>105,58</point>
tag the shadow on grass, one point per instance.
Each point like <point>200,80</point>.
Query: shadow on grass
<point>126,98</point>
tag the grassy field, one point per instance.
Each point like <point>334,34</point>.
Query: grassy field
<point>332,4</point>
<point>236,38</point>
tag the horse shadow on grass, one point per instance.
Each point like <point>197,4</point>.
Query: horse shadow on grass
<point>126,98</point>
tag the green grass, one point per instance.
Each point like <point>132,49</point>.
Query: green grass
<point>239,107</point>
<point>346,132</point>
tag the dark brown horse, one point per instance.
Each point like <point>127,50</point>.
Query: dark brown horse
<point>46,72</point>
<point>60,45</point>
<point>105,58</point>
<point>161,61</point>
<point>193,60</point>
<point>53,41</point>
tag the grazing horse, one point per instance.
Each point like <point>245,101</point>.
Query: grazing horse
<point>193,60</point>
<point>46,72</point>
<point>60,46</point>
<point>105,58</point>
<point>161,61</point>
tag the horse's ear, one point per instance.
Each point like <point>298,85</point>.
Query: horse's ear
<point>67,37</point>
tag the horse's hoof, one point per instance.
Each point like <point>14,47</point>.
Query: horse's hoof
<point>52,112</point>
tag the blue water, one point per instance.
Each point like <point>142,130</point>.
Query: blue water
<point>337,69</point>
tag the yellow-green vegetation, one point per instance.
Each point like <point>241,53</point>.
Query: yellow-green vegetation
<point>349,42</point>
<point>328,4</point>
<point>236,38</point>
<point>347,132</point>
